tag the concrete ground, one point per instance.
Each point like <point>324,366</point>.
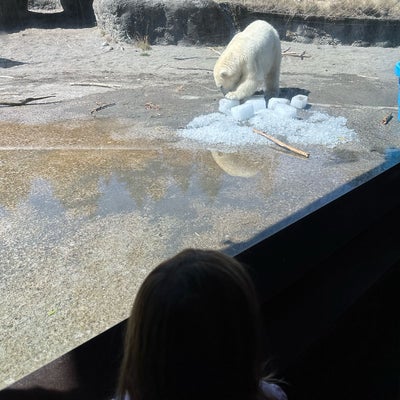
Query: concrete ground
<point>97,187</point>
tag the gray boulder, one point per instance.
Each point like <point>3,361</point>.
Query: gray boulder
<point>40,5</point>
<point>164,21</point>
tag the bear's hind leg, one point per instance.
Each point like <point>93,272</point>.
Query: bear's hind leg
<point>272,85</point>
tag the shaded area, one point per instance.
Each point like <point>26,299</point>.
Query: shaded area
<point>48,21</point>
<point>15,15</point>
<point>57,20</point>
<point>360,358</point>
<point>289,92</point>
<point>7,63</point>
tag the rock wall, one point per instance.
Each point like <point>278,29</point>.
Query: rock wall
<point>321,30</point>
<point>164,21</point>
<point>199,22</point>
<point>207,22</point>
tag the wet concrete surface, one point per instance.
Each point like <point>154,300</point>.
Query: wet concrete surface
<point>91,201</point>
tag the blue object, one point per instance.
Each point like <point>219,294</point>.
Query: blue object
<point>397,72</point>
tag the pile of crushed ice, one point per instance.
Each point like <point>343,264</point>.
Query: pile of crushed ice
<point>233,125</point>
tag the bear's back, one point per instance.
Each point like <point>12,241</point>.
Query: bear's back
<point>259,27</point>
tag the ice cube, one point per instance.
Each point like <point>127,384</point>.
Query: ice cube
<point>285,110</point>
<point>299,101</point>
<point>273,101</point>
<point>258,103</point>
<point>242,112</point>
<point>225,105</point>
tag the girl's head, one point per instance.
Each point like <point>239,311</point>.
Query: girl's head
<point>193,332</point>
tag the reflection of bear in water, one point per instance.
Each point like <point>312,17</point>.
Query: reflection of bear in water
<point>237,164</point>
<point>251,62</point>
<point>246,164</point>
<point>257,168</point>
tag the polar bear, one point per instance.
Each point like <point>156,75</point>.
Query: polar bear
<point>250,62</point>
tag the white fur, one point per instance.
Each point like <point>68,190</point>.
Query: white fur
<point>250,62</point>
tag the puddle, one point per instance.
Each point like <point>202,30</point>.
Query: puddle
<point>88,208</point>
<point>82,180</point>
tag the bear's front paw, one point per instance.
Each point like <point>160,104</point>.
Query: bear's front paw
<point>232,96</point>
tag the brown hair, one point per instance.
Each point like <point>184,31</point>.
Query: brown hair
<point>193,332</point>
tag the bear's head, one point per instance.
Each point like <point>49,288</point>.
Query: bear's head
<point>227,78</point>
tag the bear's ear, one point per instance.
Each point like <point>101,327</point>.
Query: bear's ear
<point>223,73</point>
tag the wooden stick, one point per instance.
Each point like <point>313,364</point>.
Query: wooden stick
<point>387,119</point>
<point>215,51</point>
<point>195,69</point>
<point>293,54</point>
<point>281,144</point>
<point>184,58</point>
<point>23,101</point>
<point>94,84</point>
<point>101,107</point>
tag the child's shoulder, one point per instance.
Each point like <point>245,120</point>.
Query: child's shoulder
<point>126,397</point>
<point>273,391</point>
